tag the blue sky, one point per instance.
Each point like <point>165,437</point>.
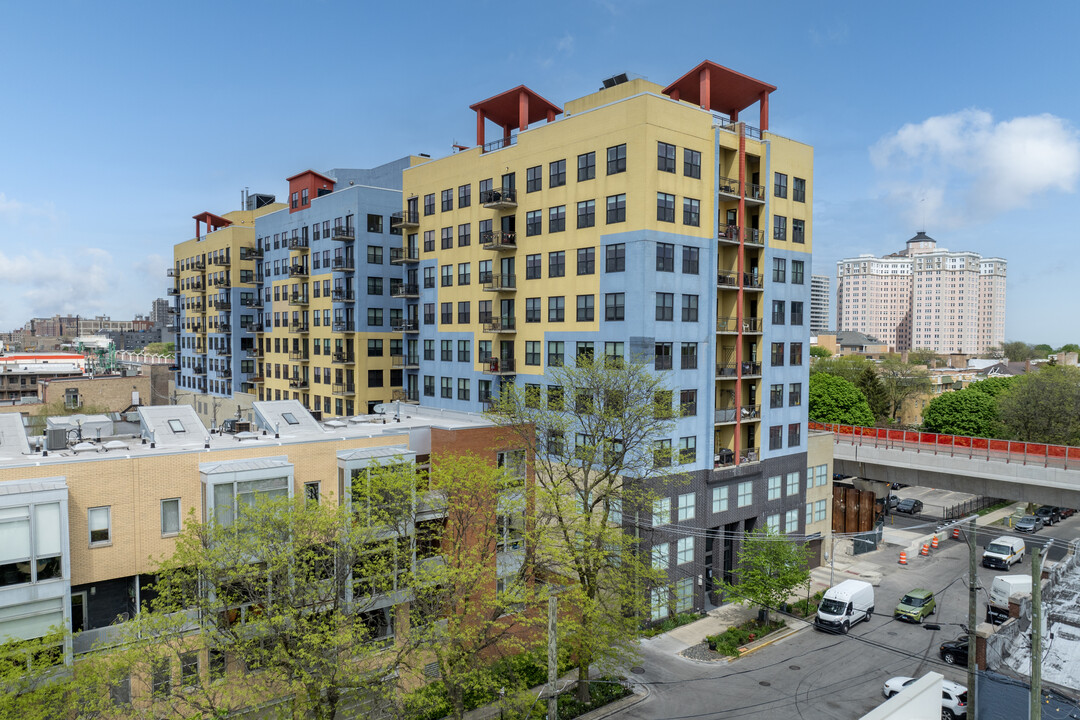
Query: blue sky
<point>122,120</point>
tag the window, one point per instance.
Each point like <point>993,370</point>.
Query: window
<point>532,310</point>
<point>464,235</point>
<point>616,159</point>
<point>776,396</point>
<point>798,190</point>
<point>773,522</point>
<point>687,450</point>
<point>614,353</point>
<point>534,180</point>
<point>446,388</point>
<point>586,308</point>
<point>795,356</point>
<point>586,166</point>
<point>684,551</point>
<point>375,378</point>
<point>774,487</point>
<point>796,312</point>
<point>483,351</point>
<point>615,258</point>
<point>161,670</point>
<point>791,521</point>
<point>557,173</point>
<point>665,207</point>
<point>691,212</point>
<point>556,264</point>
<point>533,223</point>
<point>555,353</point>
<point>462,389</point>
<point>429,204</point>
<point>176,426</point>
<point>659,609</point>
<point>779,270</point>
<point>778,312</point>
<point>616,209</point>
<point>556,309</point>
<point>719,499</point>
<point>780,185</point>
<point>100,525</point>
<point>446,350</point>
<point>746,493</point>
<point>170,516</point>
<point>686,505</point>
<point>532,267</point>
<point>690,261</point>
<point>689,308</point>
<point>30,551</point>
<point>797,270</point>
<point>665,257</point>
<point>665,307</point>
<point>464,311</point>
<point>665,157</point>
<point>777,355</point>
<point>532,352</point>
<point>661,512</point>
<point>429,350</point>
<point>779,227</point>
<point>794,434</point>
<point>795,394</point>
<point>464,351</point>
<point>691,163</point>
<point>374,286</point>
<point>463,273</point>
<point>429,386</point>
<point>661,555</point>
<point>446,313</point>
<point>776,437</point>
<point>374,223</point>
<point>586,261</point>
<point>464,195</point>
<point>792,484</point>
<point>798,231</point>
<point>688,403</point>
<point>586,214</point>
<point>819,510</point>
<point>429,241</point>
<point>615,306</point>
<point>374,255</point>
<point>557,219</point>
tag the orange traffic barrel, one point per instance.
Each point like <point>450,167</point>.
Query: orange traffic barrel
<point>903,558</point>
<point>956,533</point>
<point>933,543</point>
<point>925,549</point>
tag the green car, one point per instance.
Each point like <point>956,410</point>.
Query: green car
<point>915,606</point>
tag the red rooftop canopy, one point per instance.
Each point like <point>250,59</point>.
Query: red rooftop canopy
<point>520,106</point>
<point>715,87</point>
<point>213,222</point>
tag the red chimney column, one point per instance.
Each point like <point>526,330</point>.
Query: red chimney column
<point>480,128</point>
<point>764,100</point>
<point>705,88</point>
<point>523,110</point>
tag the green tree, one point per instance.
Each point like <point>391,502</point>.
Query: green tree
<point>1069,347</point>
<point>869,384</point>
<point>924,356</point>
<point>160,348</point>
<point>902,382</point>
<point>1042,350</point>
<point>594,439</point>
<point>36,685</point>
<point>849,367</point>
<point>962,412</point>
<point>1043,406</point>
<point>771,567</point>
<point>1017,351</point>
<point>992,386</point>
<point>817,351</point>
<point>836,400</point>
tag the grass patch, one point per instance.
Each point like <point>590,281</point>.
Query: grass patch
<point>677,620</point>
<point>995,506</point>
<point>805,607</point>
<point>729,641</point>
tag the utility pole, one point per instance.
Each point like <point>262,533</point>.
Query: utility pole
<point>553,660</point>
<point>1036,634</point>
<point>973,586</point>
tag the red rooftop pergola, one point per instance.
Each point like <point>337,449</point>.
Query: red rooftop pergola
<point>520,106</point>
<point>213,222</point>
<point>715,87</point>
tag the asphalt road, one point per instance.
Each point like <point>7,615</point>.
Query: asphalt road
<point>813,675</point>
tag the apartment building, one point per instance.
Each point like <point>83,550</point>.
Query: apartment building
<point>820,302</point>
<point>216,291</point>
<point>330,293</point>
<point>20,373</point>
<point>639,222</point>
<point>924,297</point>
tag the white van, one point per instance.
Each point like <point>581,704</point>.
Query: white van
<point>844,605</point>
<point>1003,552</point>
<point>1003,588</point>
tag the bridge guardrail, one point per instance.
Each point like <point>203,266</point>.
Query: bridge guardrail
<point>1065,457</point>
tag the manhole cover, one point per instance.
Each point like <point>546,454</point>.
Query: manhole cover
<point>637,670</point>
<point>765,683</point>
<point>793,667</point>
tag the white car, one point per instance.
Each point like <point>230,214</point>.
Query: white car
<point>953,696</point>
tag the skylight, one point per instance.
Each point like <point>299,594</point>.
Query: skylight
<point>177,426</point>
<point>289,418</point>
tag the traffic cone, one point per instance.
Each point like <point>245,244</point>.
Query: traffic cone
<point>956,533</point>
<point>933,543</point>
<point>925,552</point>
<point>903,558</point>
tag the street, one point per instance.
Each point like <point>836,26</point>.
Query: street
<point>814,675</point>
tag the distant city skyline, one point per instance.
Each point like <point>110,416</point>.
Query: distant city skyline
<point>922,127</point>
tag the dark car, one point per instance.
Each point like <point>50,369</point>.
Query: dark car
<point>1029,523</point>
<point>1048,514</point>
<point>909,505</point>
<point>954,652</point>
<point>1067,512</point>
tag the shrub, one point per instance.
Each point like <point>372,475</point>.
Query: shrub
<point>671,623</point>
<point>729,641</point>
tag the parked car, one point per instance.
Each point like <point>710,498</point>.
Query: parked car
<point>910,506</point>
<point>897,486</point>
<point>954,652</point>
<point>1048,514</point>
<point>1029,523</point>
<point>892,501</point>
<point>916,605</point>
<point>1067,512</point>
<point>953,695</point>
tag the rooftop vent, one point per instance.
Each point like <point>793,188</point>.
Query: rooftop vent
<point>614,80</point>
<point>258,200</point>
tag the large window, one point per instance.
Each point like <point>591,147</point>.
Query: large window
<point>557,173</point>
<point>691,163</point>
<point>719,499</point>
<point>746,493</point>
<point>586,166</point>
<point>170,516</point>
<point>774,487</point>
<point>665,306</point>
<point>30,544</point>
<point>616,159</point>
<point>691,212</point>
<point>615,306</point>
<point>665,157</point>
<point>615,258</point>
<point>229,497</point>
<point>687,502</point>
<point>100,523</point>
<point>661,512</point>
<point>586,213</point>
<point>684,550</point>
<point>616,209</point>
<point>665,207</point>
<point>665,257</point>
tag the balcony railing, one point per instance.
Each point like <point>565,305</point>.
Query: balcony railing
<point>344,263</point>
<point>730,324</point>
<point>251,253</point>
<point>298,327</point>
<point>501,283</point>
<point>343,358</point>
<point>404,290</point>
<point>222,260</point>
<point>171,272</point>
<point>731,369</point>
<point>298,383</point>
<point>256,328</point>
<point>730,279</point>
<point>345,233</point>
<point>298,271</point>
<point>200,264</point>
<point>726,456</point>
<point>498,240</point>
<point>343,295</point>
<point>728,413</point>
<point>298,356</point>
<point>199,370</point>
<point>344,388</point>
<point>226,373</point>
<point>172,291</point>
<point>500,366</point>
<point>729,186</point>
<point>400,255</point>
<point>499,198</point>
<point>500,143</point>
<point>298,243</point>
<point>250,302</point>
<point>501,325</point>
<point>344,326</point>
<point>405,360</point>
<point>409,396</point>
<point>298,299</point>
<point>405,326</point>
<point>755,192</point>
<point>172,310</point>
<point>223,304</point>
<point>223,328</point>
<point>405,219</point>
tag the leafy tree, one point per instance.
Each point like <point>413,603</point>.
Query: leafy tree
<point>993,386</point>
<point>902,382</point>
<point>160,348</point>
<point>1042,350</point>
<point>924,356</point>
<point>771,567</point>
<point>1043,406</point>
<point>869,384</point>
<point>849,367</point>
<point>835,400</point>
<point>594,442</point>
<point>1069,347</point>
<point>817,351</point>
<point>34,681</point>
<point>1017,351</point>
<point>962,412</point>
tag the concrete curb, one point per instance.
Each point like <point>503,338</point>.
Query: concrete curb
<point>773,638</point>
<point>619,705</point>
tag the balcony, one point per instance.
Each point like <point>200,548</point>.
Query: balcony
<point>729,234</point>
<point>298,243</point>
<point>298,299</point>
<point>299,327</point>
<point>197,287</point>
<point>343,358</point>
<point>399,256</point>
<point>730,324</point>
<point>298,271</point>
<point>256,328</point>
<point>729,187</point>
<point>409,326</point>
<point>171,310</point>
<point>298,383</point>
<point>408,396</point>
<point>726,457</point>
<point>223,304</point>
<point>257,379</point>
<point>171,272</point>
<point>501,283</point>
<point>298,356</point>
<point>172,291</point>
<point>343,295</point>
<point>498,240</point>
<point>223,328</point>
<point>226,373</point>
<point>343,389</point>
<point>503,198</point>
<point>199,370</point>
<point>222,260</point>
<point>729,280</point>
<point>250,302</point>
<point>344,233</point>
<point>344,326</point>
<point>500,366</point>
<point>253,352</point>
<point>200,264</point>
<point>501,325</point>
<point>728,414</point>
<point>755,193</point>
<point>409,362</point>
<point>221,283</point>
<point>731,369</point>
<point>405,290</point>
<point>251,253</point>
<point>344,264</point>
<point>405,219</point>
<point>174,368</point>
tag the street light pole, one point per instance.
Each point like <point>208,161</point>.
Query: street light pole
<point>973,585</point>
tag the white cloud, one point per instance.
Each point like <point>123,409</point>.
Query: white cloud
<point>14,211</point>
<point>964,168</point>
